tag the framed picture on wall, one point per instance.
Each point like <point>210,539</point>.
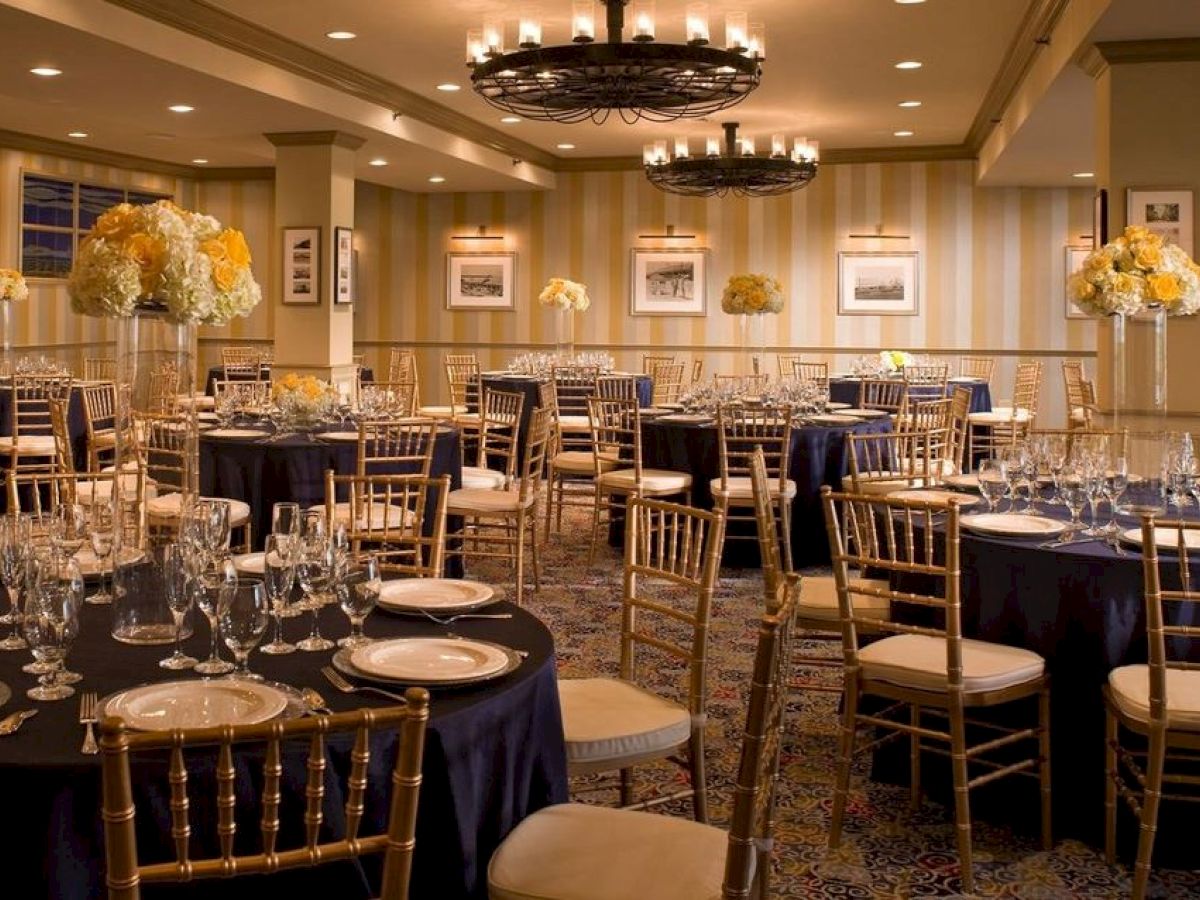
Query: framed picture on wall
<point>878,283</point>
<point>302,266</point>
<point>669,282</point>
<point>1165,211</point>
<point>343,265</point>
<point>481,280</point>
<point>1100,219</point>
<point>1073,258</point>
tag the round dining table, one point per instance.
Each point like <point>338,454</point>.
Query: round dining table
<point>846,389</point>
<point>493,755</point>
<point>217,373</point>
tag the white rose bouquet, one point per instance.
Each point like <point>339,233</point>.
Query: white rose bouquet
<point>563,294</point>
<point>12,285</point>
<point>894,360</point>
<point>752,294</point>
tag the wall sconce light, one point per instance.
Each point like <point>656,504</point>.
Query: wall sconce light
<point>480,235</point>
<point>670,234</point>
<point>879,235</point>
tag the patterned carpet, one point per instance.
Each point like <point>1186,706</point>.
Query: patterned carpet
<point>888,851</point>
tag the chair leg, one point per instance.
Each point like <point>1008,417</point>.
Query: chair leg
<point>595,525</point>
<point>520,563</point>
<point>533,550</point>
<point>1151,797</point>
<point>699,775</point>
<point>841,785</point>
<point>1044,767</point>
<point>914,759</point>
<point>626,787</point>
<point>962,802</point>
<point>785,527</point>
<point>1111,729</point>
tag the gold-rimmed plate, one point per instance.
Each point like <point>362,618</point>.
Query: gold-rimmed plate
<point>202,703</point>
<point>437,595</point>
<point>427,661</point>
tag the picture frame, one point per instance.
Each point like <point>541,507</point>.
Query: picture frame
<point>343,265</point>
<point>1100,219</point>
<point>1167,212</point>
<point>879,283</point>
<point>481,280</point>
<point>1073,257</point>
<point>302,266</point>
<point>668,282</point>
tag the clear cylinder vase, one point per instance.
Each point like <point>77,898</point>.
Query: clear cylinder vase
<point>564,333</point>
<point>1139,370</point>
<point>155,368</point>
<point>751,357</point>
<point>6,360</point>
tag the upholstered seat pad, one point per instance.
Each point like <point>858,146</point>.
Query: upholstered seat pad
<point>479,478</point>
<point>197,401</point>
<point>739,489</point>
<point>375,515</point>
<point>919,661</point>
<point>168,507</point>
<point>653,480</point>
<point>474,502</point>
<point>580,462</point>
<point>999,416</point>
<point>877,486</point>
<point>818,599</point>
<point>575,851</point>
<point>1130,689</point>
<point>609,720</point>
<point>436,412</point>
<point>31,444</point>
<point>574,423</point>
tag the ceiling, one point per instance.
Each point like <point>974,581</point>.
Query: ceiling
<point>829,75</point>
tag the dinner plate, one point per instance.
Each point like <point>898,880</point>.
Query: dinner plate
<point>5,693</point>
<point>434,594</point>
<point>834,406</point>
<point>968,482</point>
<point>940,498</point>
<point>1167,539</point>
<point>250,563</point>
<point>196,704</point>
<point>686,418</point>
<point>865,413</point>
<point>235,433</point>
<point>833,420</point>
<point>89,565</point>
<point>207,417</point>
<point>427,661</point>
<point>341,437</point>
<point>1009,525</point>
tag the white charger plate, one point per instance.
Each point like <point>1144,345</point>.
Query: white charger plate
<point>196,704</point>
<point>1009,525</point>
<point>1167,539</point>
<point>341,437</point>
<point>835,406</point>
<point>235,433</point>
<point>941,498</point>
<point>833,420</point>
<point>434,595</point>
<point>686,418</point>
<point>250,563</point>
<point>968,482</point>
<point>428,660</point>
<point>864,413</point>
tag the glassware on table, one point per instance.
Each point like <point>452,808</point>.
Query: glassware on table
<point>1074,490</point>
<point>358,593</point>
<point>69,527</point>
<point>216,521</point>
<point>285,519</point>
<point>993,481</point>
<point>71,578</point>
<point>216,584</point>
<point>100,531</point>
<point>1116,481</point>
<point>177,587</point>
<point>279,578</point>
<point>14,549</point>
<point>50,620</point>
<point>243,614</point>
<point>314,569</point>
<point>1014,472</point>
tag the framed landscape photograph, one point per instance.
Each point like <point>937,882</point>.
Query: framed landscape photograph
<point>1165,211</point>
<point>669,282</point>
<point>878,284</point>
<point>480,280</point>
<point>302,266</point>
<point>343,265</point>
<point>1073,262</point>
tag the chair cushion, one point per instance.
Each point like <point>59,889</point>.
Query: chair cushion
<point>482,502</point>
<point>607,721</point>
<point>739,489</point>
<point>197,401</point>
<point>579,462</point>
<point>574,423</point>
<point>1079,414</point>
<point>29,444</point>
<point>998,416</point>
<point>437,412</point>
<point>1130,689</point>
<point>882,485</point>
<point>87,492</point>
<point>167,508</point>
<point>574,851</point>
<point>919,661</point>
<point>104,439</point>
<point>374,517</point>
<point>654,481</point>
<point>818,599</point>
<point>478,478</point>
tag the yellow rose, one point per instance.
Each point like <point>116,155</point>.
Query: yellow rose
<point>236,247</point>
<point>224,275</point>
<point>1148,255</point>
<point>1124,283</point>
<point>1097,263</point>
<point>1081,288</point>
<point>114,223</point>
<point>1136,233</point>
<point>1163,287</point>
<point>148,253</point>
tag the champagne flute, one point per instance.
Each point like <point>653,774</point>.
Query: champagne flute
<point>279,577</point>
<point>215,584</point>
<point>358,593</point>
<point>178,589</point>
<point>70,576</point>
<point>14,544</point>
<point>101,529</point>
<point>993,481</point>
<point>243,614</point>
<point>285,519</point>
<point>1115,483</point>
<point>314,570</point>
<point>216,526</point>
<point>51,621</point>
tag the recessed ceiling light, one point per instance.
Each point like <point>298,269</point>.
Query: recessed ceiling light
<point>903,133</point>
<point>436,179</point>
<point>908,64</point>
<point>565,146</point>
<point>200,161</point>
<point>377,162</point>
<point>77,134</point>
<point>45,71</point>
<point>909,104</point>
<point>341,35</point>
<point>510,120</point>
<point>1083,174</point>
<point>449,87</point>
<point>909,2</point>
<point>181,108</point>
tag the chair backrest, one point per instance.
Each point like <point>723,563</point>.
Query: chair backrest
<point>1168,642</point>
<point>960,411</point>
<point>499,426</point>
<point>809,371</point>
<point>786,363</point>
<point>672,557</point>
<point>932,422</point>
<point>462,378</point>
<point>64,453</point>
<point>650,362</point>
<point>764,520</point>
<point>668,383</point>
<point>169,450</point>
<point>888,394</point>
<point>744,384</point>
<point>886,461</point>
<point>41,493</point>
<point>926,382</point>
<point>751,831</point>
<point>395,446</point>
<point>1073,381</point>
<point>1027,387</point>
<point>400,518</point>
<point>697,370</point>
<point>30,399</point>
<point>241,363</point>
<point>99,368</point>
<point>573,385</point>
<point>744,430</point>
<point>163,395</point>
<point>617,387</point>
<point>980,367</point>
<point>295,748</point>
<point>99,406</point>
<point>402,364</point>
<point>537,444</point>
<point>616,434</point>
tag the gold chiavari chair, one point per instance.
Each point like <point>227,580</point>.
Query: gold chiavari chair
<point>785,363</point>
<point>241,363</point>
<point>746,385</point>
<point>743,431</point>
<point>402,364</point>
<point>810,371</point>
<point>500,519</point>
<point>650,362</point>
<point>100,420</point>
<point>672,557</point>
<point>980,367</point>
<point>884,463</point>
<point>617,387</point>
<point>931,674</point>
<point>1154,703</point>
<point>391,446</point>
<point>960,411</point>
<point>1079,415</point>
<point>99,368</point>
<point>42,493</point>
<point>932,423</point>
<point>990,432</point>
<point>164,390</point>
<point>926,382</point>
<point>29,445</point>
<point>887,394</point>
<point>667,384</point>
<point>498,444</point>
<point>400,518</point>
<point>560,848</point>
<point>570,458</point>
<point>617,435</point>
<point>296,745</point>
<point>466,388</point>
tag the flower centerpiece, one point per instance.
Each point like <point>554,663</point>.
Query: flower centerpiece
<point>892,361</point>
<point>1134,272</point>
<point>748,295</point>
<point>567,297</point>
<point>12,285</point>
<point>304,400</point>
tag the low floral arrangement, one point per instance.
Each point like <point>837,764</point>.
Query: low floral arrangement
<point>159,254</point>
<point>564,294</point>
<point>12,285</point>
<point>304,398</point>
<point>1133,272</point>
<point>752,294</point>
<point>894,360</point>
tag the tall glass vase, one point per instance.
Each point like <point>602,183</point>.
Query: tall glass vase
<point>1139,371</point>
<point>6,360</point>
<point>751,344</point>
<point>564,333</point>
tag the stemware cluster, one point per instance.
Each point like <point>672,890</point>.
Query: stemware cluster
<point>1180,472</point>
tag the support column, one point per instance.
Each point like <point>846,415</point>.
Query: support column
<point>314,188</point>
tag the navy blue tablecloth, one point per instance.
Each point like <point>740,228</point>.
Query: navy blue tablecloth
<point>217,373</point>
<point>818,456</point>
<point>493,755</point>
<point>846,390</point>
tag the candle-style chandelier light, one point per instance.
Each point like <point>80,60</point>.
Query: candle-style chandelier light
<point>736,167</point>
<point>639,79</point>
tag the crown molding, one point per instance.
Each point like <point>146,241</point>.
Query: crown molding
<point>1117,53</point>
<point>829,157</point>
<point>218,27</point>
<point>314,139</point>
<point>233,173</point>
<point>30,143</point>
<point>1091,61</point>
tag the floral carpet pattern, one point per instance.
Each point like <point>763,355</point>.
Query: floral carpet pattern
<point>888,851</point>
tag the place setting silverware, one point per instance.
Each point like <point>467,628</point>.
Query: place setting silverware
<point>447,620</point>
<point>10,723</point>
<point>335,678</point>
<point>87,718</point>
<point>316,702</point>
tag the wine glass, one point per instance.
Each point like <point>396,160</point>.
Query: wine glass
<point>178,589</point>
<point>285,519</point>
<point>101,535</point>
<point>993,481</point>
<point>279,577</point>
<point>215,584</point>
<point>1074,494</point>
<point>216,526</point>
<point>1116,480</point>
<point>358,593</point>
<point>243,614</point>
<point>1056,461</point>
<point>70,577</point>
<point>68,526</point>
<point>1014,470</point>
<point>314,569</point>
<point>14,548</point>
<point>51,622</point>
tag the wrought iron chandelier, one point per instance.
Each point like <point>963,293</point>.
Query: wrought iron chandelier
<point>737,168</point>
<point>640,79</point>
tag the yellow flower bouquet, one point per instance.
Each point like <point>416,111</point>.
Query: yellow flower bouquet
<point>187,262</point>
<point>1136,271</point>
<point>563,294</point>
<point>304,399</point>
<point>752,294</point>
<point>12,285</point>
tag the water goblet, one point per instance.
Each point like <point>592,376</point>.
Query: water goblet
<point>215,584</point>
<point>314,570</point>
<point>70,577</point>
<point>244,615</point>
<point>178,590</point>
<point>101,532</point>
<point>279,577</point>
<point>1116,480</point>
<point>285,519</point>
<point>70,527</point>
<point>51,622</point>
<point>993,481</point>
<point>1074,495</point>
<point>358,593</point>
<point>1014,471</point>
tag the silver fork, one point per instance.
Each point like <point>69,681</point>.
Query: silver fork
<point>87,717</point>
<point>446,620</point>
<point>335,678</point>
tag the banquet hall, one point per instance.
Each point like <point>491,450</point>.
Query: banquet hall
<point>600,448</point>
